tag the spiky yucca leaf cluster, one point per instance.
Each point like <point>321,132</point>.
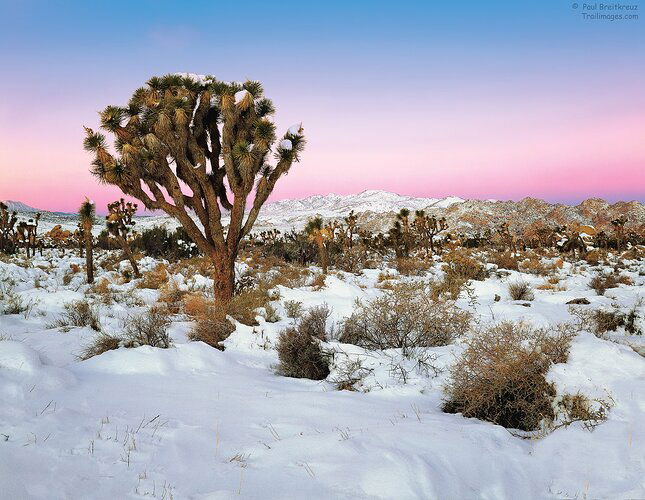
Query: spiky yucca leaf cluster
<point>181,134</point>
<point>119,218</point>
<point>87,212</point>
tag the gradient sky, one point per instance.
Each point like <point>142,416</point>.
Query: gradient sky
<point>473,99</point>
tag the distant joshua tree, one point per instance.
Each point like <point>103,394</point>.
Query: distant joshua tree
<point>619,229</point>
<point>320,236</point>
<point>7,228</point>
<point>119,223</point>
<point>86,220</point>
<point>181,143</point>
<point>427,227</point>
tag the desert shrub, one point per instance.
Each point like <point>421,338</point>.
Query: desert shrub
<point>170,245</point>
<point>270,314</point>
<point>314,321</point>
<point>349,374</point>
<point>100,343</point>
<point>196,305</point>
<point>601,321</point>
<point>293,309</point>
<point>149,328</point>
<point>405,317</point>
<point>211,328</point>
<point>500,378</point>
<point>154,279</point>
<point>579,408</point>
<point>11,302</point>
<point>460,264</point>
<point>412,266</point>
<point>301,356</point>
<point>79,313</point>
<point>243,307</point>
<point>171,296</point>
<point>602,282</point>
<point>351,260</point>
<point>520,290</point>
<point>504,260</point>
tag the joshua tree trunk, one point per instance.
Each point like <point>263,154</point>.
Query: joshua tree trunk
<point>89,258</point>
<point>224,278</point>
<point>324,257</point>
<point>128,253</point>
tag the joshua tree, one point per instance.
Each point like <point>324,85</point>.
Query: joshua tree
<point>351,220</point>
<point>619,229</point>
<point>427,227</point>
<point>320,236</point>
<point>181,143</point>
<point>86,221</point>
<point>119,223</point>
<point>7,228</point>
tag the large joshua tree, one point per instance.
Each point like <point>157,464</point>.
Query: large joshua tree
<point>86,220</point>
<point>189,145</point>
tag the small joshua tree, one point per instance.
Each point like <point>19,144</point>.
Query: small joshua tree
<point>619,229</point>
<point>427,227</point>
<point>86,221</point>
<point>320,236</point>
<point>182,143</point>
<point>7,228</point>
<point>119,223</point>
<point>351,220</point>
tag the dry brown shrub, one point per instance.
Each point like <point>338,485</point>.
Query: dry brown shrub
<point>520,290</point>
<point>602,282</point>
<point>154,279</point>
<point>460,263</point>
<point>148,328</point>
<point>171,297</point>
<point>504,260</point>
<point>386,276</point>
<point>578,408</point>
<point>404,317</point>
<point>243,307</point>
<point>301,356</point>
<point>293,309</point>
<point>318,283</point>
<point>500,377</point>
<point>196,305</point>
<point>314,321</point>
<point>291,276</point>
<point>100,343</point>
<point>412,266</point>
<point>211,329</point>
<point>78,313</point>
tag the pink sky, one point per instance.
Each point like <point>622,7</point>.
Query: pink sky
<point>492,146</point>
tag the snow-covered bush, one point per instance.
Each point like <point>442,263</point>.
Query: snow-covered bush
<point>501,376</point>
<point>405,317</point>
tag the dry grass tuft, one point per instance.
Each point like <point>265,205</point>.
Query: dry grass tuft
<point>79,313</point>
<point>520,290</point>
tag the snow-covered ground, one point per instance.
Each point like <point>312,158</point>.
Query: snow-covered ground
<point>195,422</point>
